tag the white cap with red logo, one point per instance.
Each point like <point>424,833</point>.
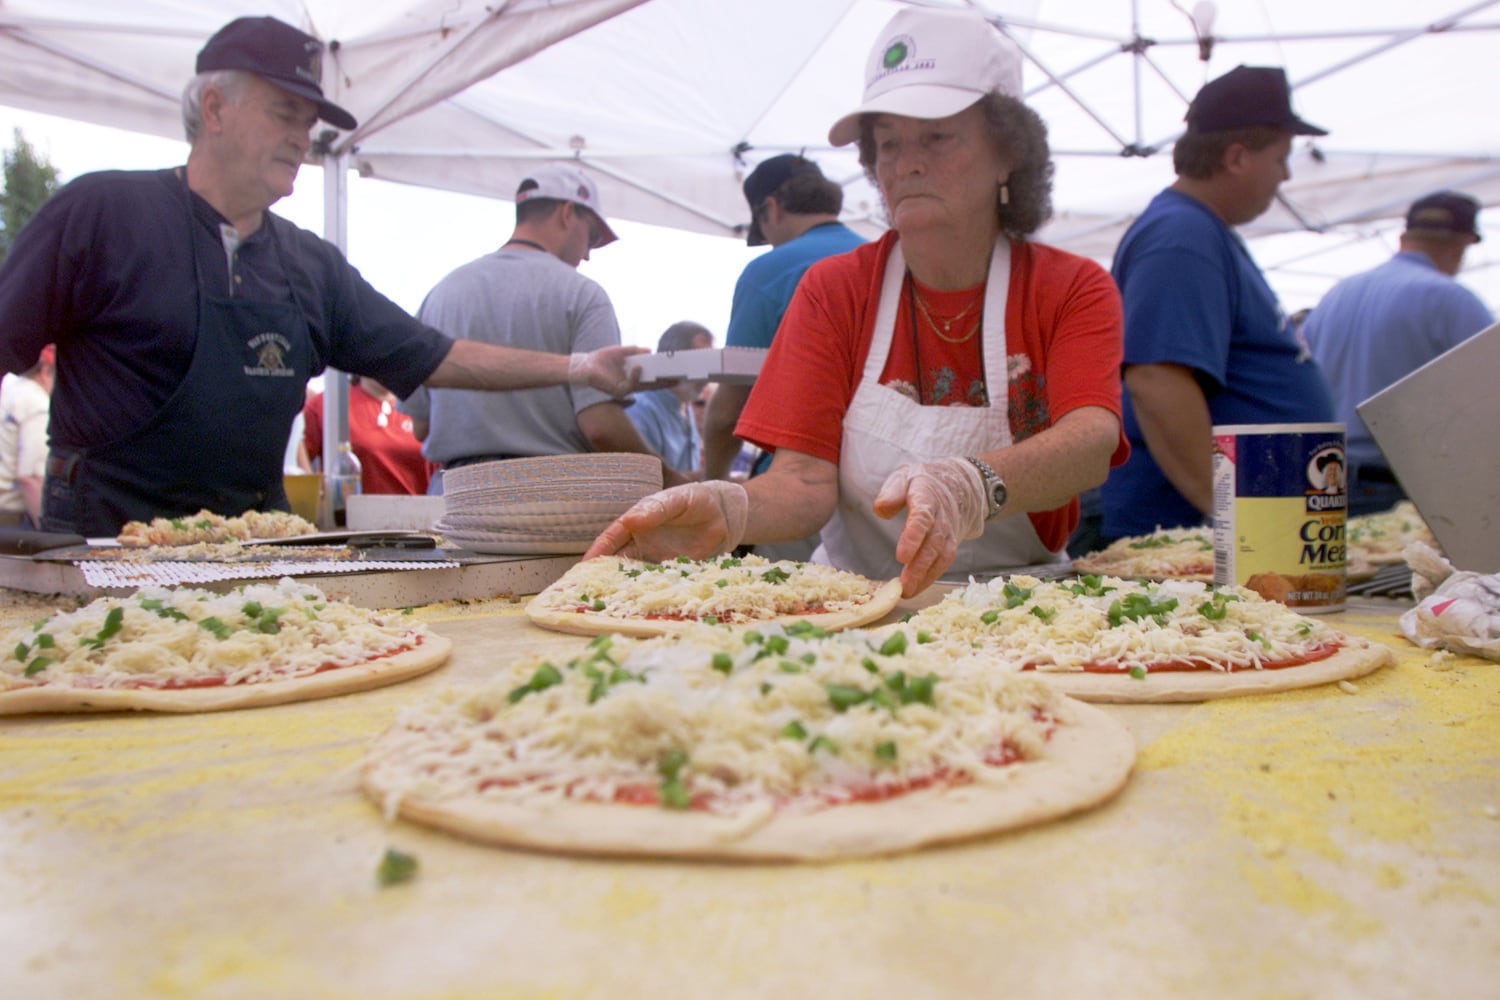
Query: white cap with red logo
<point>566,183</point>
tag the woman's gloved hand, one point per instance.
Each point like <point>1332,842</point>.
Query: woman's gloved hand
<point>697,520</point>
<point>944,503</point>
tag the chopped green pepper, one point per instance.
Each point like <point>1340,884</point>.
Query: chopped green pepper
<point>395,867</point>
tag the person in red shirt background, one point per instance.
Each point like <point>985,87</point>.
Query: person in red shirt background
<point>390,456</point>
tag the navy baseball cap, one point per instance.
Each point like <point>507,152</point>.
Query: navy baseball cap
<point>280,54</point>
<point>763,182</point>
<point>1244,97</point>
<point>1445,212</point>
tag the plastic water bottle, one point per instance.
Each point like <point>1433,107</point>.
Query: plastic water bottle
<point>341,481</point>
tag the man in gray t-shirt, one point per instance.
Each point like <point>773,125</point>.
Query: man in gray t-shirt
<point>529,294</point>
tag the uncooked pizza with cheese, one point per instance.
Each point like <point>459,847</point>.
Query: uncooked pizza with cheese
<point>1103,638</point>
<point>771,742</point>
<point>1379,539</point>
<point>190,650</point>
<point>1164,554</point>
<point>206,526</point>
<point>631,597</point>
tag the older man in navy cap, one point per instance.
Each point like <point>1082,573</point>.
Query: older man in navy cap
<point>188,318</point>
<point>1373,328</point>
<point>1206,341</point>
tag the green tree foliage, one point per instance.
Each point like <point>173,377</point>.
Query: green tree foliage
<point>29,181</point>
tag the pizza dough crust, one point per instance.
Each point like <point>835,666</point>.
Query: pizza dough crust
<point>429,655</point>
<point>880,604</point>
<point>1087,762</point>
<point>1136,558</point>
<point>1357,658</point>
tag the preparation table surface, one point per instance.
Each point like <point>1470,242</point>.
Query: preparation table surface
<point>1317,843</point>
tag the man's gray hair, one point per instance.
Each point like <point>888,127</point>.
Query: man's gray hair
<point>231,83</point>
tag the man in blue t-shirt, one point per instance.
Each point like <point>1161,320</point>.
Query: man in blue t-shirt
<point>1373,328</point>
<point>795,209</point>
<point>1206,342</point>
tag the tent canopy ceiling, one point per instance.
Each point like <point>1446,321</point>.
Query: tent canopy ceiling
<point>670,102</point>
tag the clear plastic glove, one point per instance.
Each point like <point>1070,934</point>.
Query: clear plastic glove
<point>945,505</point>
<point>606,369</point>
<point>697,520</point>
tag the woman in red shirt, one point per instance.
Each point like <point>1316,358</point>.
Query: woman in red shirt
<point>953,370</point>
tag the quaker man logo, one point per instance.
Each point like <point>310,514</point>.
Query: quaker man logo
<point>271,350</point>
<point>1325,480</point>
<point>900,56</point>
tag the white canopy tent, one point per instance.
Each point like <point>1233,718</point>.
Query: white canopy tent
<point>668,103</point>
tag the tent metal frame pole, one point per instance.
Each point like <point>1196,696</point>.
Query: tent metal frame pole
<point>335,383</point>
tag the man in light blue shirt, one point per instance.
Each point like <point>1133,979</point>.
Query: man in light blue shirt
<point>664,416</point>
<point>1376,327</point>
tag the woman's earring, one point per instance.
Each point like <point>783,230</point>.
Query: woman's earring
<point>1005,194</point>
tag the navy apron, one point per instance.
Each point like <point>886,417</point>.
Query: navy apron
<point>218,442</point>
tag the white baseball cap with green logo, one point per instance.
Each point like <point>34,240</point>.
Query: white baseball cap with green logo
<point>932,64</point>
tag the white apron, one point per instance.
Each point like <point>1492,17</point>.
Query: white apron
<point>884,429</point>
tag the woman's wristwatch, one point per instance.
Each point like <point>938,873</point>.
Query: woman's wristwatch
<point>995,493</point>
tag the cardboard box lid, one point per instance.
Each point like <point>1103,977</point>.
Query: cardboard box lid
<point>739,365</point>
<point>1436,428</point>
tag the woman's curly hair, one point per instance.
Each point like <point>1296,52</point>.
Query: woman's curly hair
<point>1020,135</point>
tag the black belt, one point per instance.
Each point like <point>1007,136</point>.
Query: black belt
<point>62,466</point>
<point>458,463</point>
<point>1375,474</point>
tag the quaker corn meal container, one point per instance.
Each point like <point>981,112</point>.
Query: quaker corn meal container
<point>1279,512</point>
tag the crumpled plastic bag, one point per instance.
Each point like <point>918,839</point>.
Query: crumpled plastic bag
<point>1457,610</point>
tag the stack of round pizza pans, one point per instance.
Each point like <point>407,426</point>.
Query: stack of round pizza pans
<point>551,504</point>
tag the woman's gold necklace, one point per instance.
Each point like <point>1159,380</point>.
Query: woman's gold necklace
<point>943,328</point>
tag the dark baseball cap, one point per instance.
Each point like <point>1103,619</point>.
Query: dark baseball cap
<point>1244,97</point>
<point>1445,212</point>
<point>763,182</point>
<point>283,56</point>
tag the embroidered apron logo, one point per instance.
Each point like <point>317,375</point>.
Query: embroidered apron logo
<point>270,351</point>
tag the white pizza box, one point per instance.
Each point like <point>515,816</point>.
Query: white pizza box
<point>1436,428</point>
<point>376,511</point>
<point>736,365</point>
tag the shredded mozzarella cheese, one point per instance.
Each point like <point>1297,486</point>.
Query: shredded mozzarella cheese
<point>746,589</point>
<point>1072,624</point>
<point>162,635</point>
<point>206,526</point>
<point>1164,553</point>
<point>1380,537</point>
<point>788,717</point>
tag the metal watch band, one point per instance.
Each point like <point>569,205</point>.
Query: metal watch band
<point>994,487</point>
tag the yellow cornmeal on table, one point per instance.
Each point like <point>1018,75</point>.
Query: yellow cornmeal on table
<point>1320,807</point>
